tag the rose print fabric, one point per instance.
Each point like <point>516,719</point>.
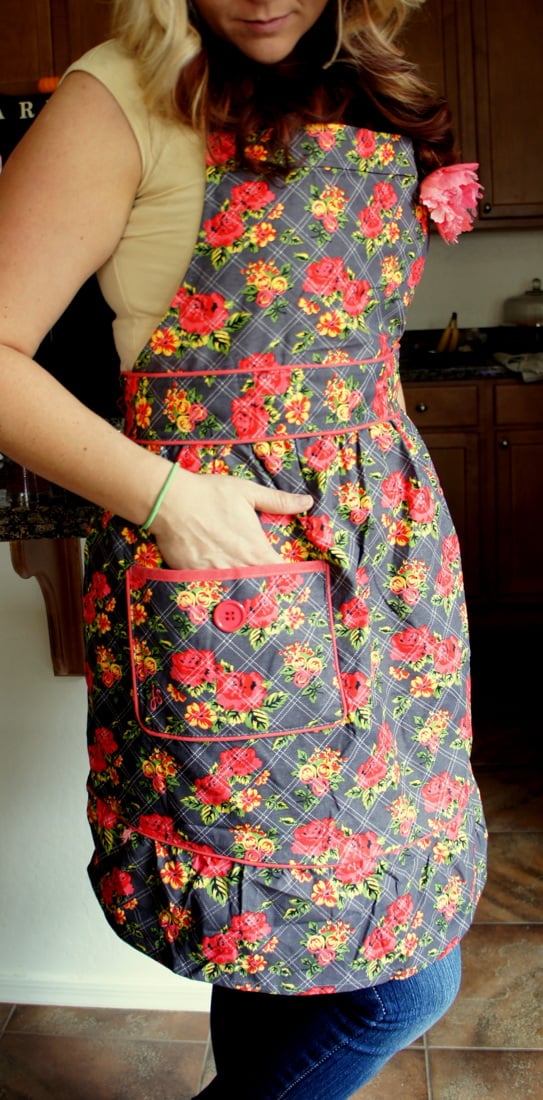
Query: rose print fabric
<point>280,789</point>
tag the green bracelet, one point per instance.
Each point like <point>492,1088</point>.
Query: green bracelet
<point>154,510</point>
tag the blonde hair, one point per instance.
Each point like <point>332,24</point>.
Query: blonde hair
<point>161,37</point>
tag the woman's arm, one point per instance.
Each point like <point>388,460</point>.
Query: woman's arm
<point>65,197</point>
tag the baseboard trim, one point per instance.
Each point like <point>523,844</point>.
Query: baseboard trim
<point>188,997</point>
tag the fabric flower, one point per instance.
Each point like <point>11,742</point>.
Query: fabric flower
<point>450,194</point>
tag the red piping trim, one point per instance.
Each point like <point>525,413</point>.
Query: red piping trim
<point>189,846</point>
<point>207,574</point>
<point>261,368</point>
<point>156,574</point>
<point>282,436</point>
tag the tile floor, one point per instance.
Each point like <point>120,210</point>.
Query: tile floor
<point>488,1047</point>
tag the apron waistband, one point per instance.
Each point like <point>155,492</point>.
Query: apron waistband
<point>265,404</point>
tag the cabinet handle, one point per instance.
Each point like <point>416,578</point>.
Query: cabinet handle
<point>504,443</point>
<point>487,208</point>
<point>422,407</point>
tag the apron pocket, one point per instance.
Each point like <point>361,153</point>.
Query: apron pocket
<point>231,654</point>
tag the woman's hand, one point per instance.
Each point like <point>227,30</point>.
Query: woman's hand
<point>210,521</point>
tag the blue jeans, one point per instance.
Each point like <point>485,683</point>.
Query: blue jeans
<point>321,1047</point>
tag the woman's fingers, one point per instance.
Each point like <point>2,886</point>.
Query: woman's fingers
<point>276,501</point>
<point>212,521</point>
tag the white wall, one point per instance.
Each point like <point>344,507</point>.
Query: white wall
<point>475,276</point>
<point>55,946</point>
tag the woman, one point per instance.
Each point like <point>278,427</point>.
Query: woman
<point>280,790</point>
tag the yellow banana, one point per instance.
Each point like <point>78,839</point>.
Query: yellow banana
<point>443,342</point>
<point>455,334</point>
<point>448,341</point>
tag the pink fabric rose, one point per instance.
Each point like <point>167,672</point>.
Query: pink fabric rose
<point>450,195</point>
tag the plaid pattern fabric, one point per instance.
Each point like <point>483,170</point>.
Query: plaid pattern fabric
<point>280,789</point>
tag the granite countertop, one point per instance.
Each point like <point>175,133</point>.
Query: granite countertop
<point>434,367</point>
<point>474,357</point>
<point>32,508</point>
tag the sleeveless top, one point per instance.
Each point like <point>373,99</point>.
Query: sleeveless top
<point>140,278</point>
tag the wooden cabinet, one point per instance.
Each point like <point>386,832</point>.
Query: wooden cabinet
<point>449,419</point>
<point>508,57</point>
<point>518,459</point>
<point>41,38</point>
<point>486,440</point>
<point>486,58</point>
<point>438,38</point>
<point>26,44</point>
<point>77,25</point>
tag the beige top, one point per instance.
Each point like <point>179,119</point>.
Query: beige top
<point>141,277</point>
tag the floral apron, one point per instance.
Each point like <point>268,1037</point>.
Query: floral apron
<point>280,789</point>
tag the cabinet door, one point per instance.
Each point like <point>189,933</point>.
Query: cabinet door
<point>26,48</point>
<point>508,44</point>
<point>519,479</point>
<point>442,404</point>
<point>456,459</point>
<point>448,416</point>
<point>78,25</point>
<point>41,38</point>
<point>438,38</point>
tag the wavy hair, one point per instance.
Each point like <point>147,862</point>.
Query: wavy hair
<point>186,73</point>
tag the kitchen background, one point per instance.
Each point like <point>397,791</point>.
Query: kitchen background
<point>55,948</point>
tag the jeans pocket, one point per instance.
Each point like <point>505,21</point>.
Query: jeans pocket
<point>232,654</point>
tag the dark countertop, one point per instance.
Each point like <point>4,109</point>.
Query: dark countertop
<point>438,368</point>
<point>38,510</point>
<point>474,357</point>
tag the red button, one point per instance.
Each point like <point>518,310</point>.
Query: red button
<point>229,615</point>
